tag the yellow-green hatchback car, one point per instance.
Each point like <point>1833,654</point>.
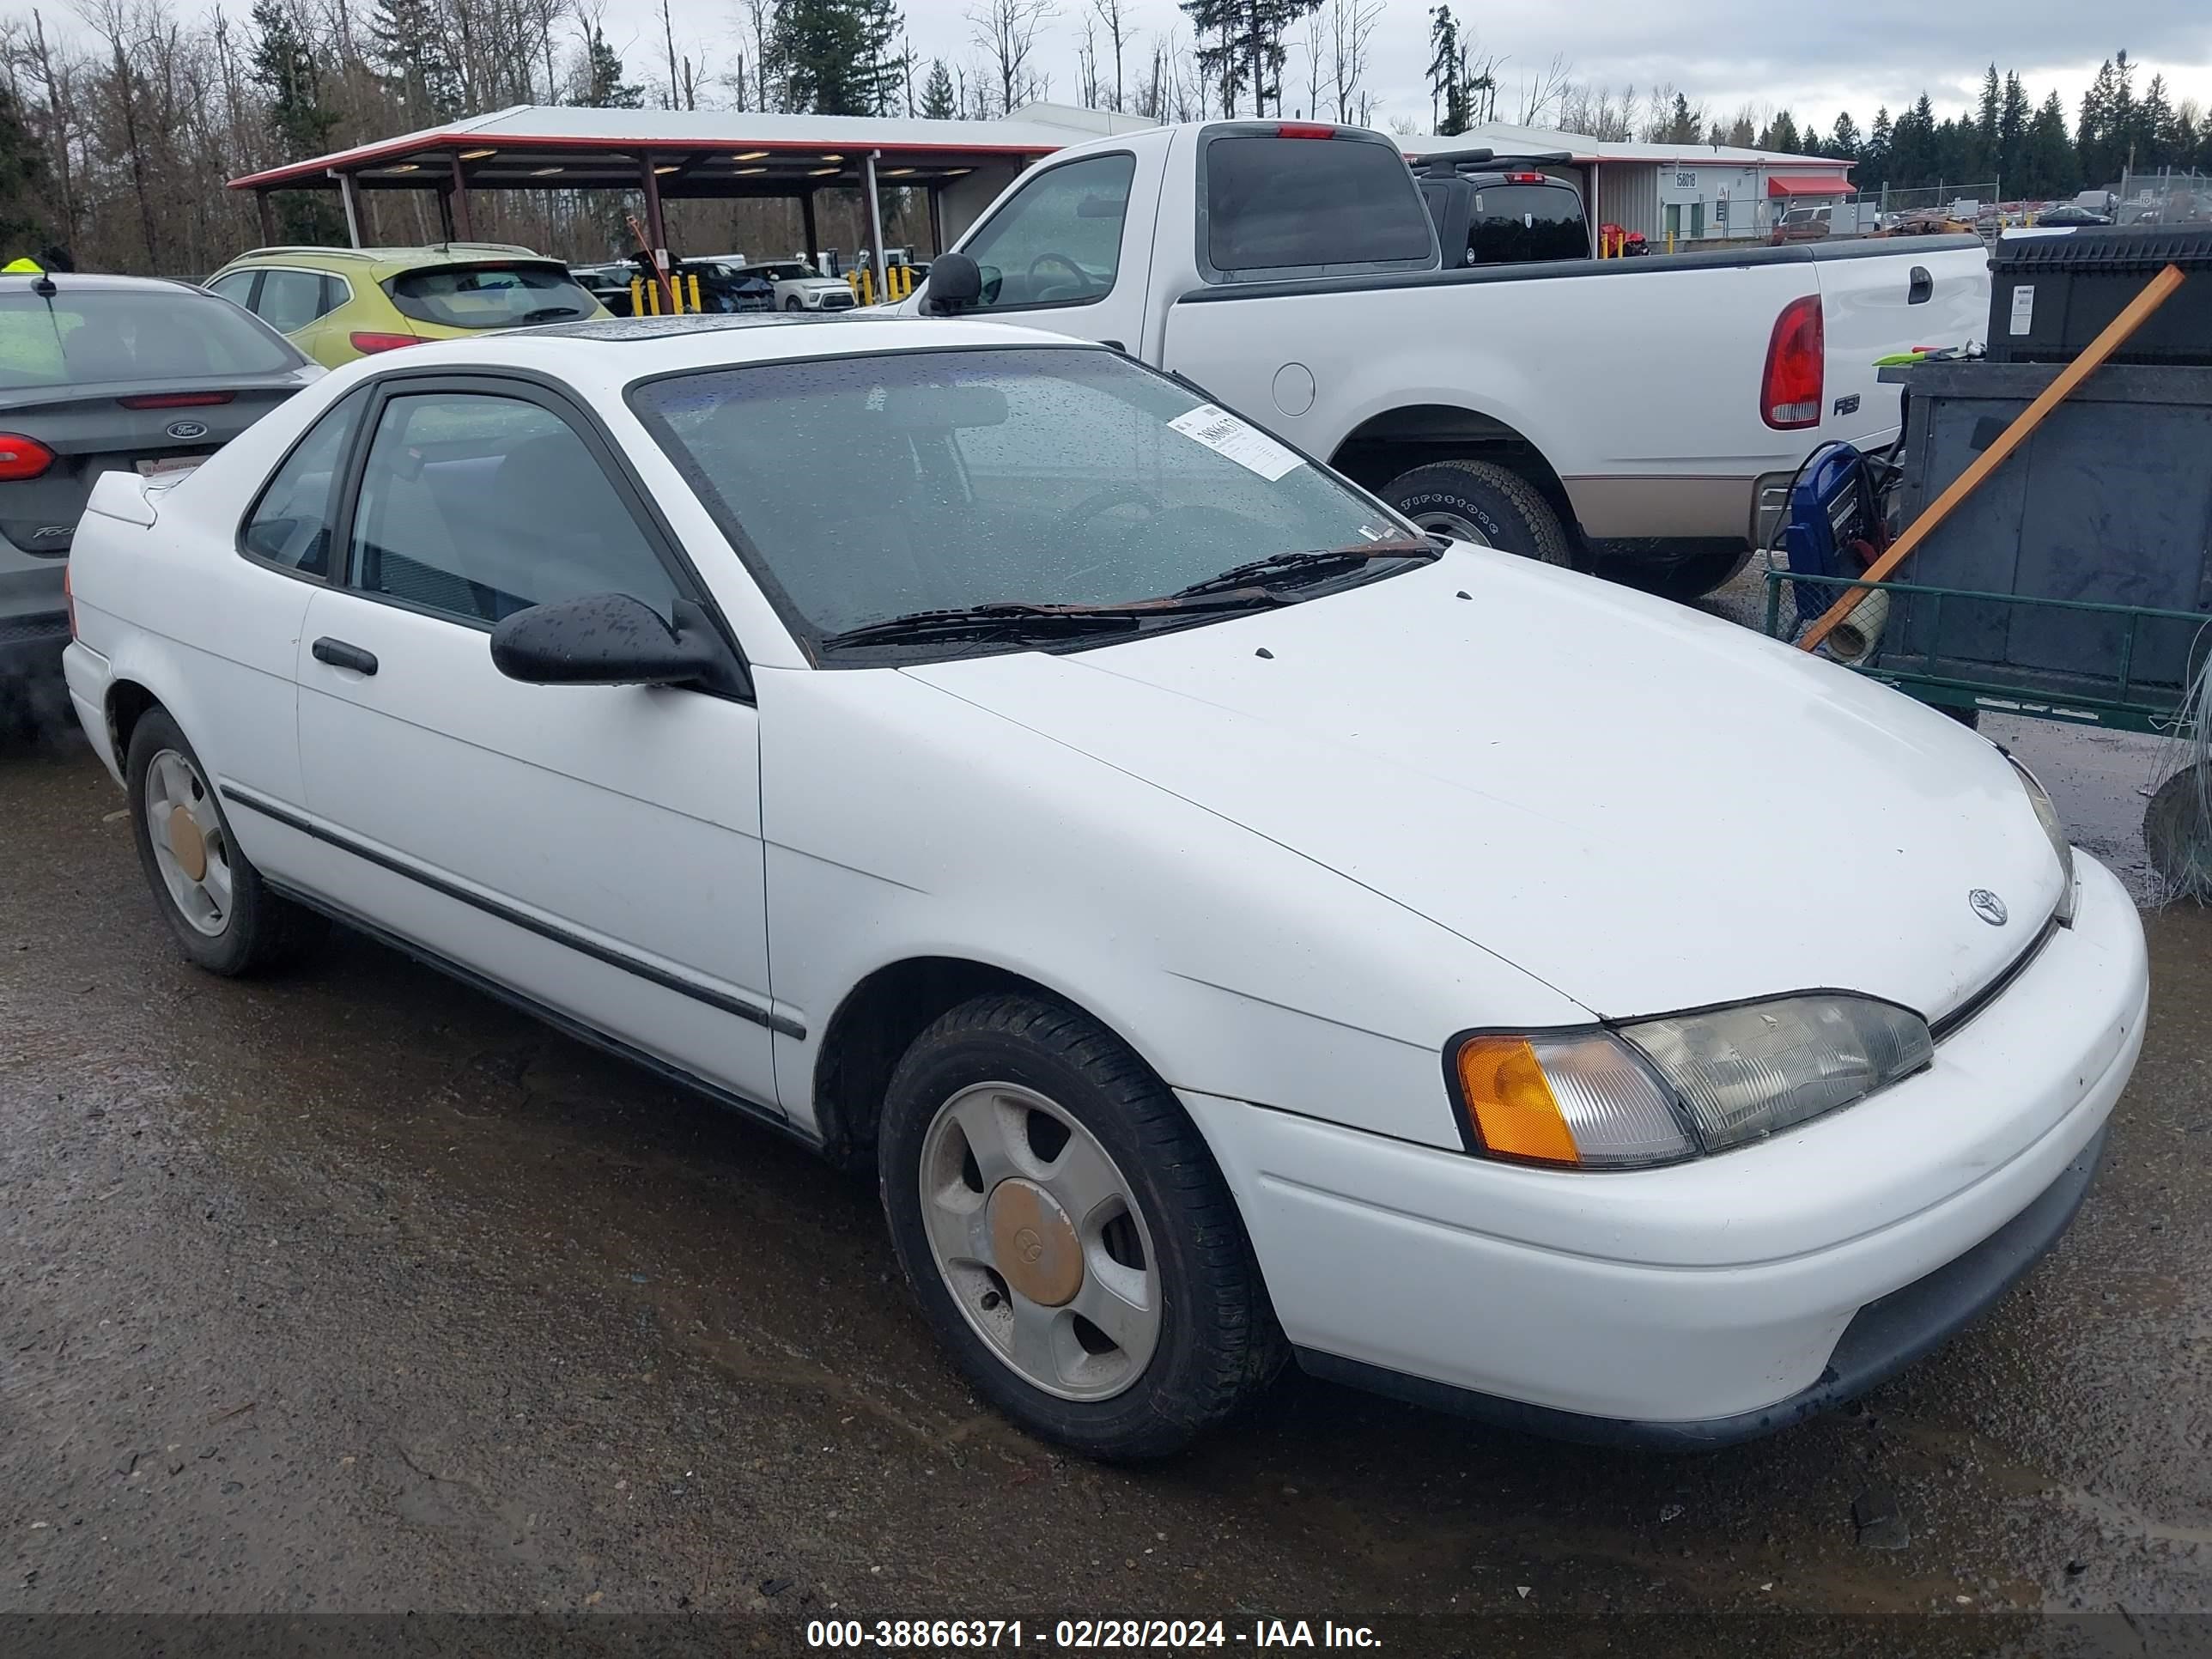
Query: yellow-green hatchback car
<point>339,303</point>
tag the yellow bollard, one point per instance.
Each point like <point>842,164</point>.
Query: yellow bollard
<point>695,290</point>
<point>637,296</point>
<point>1670,241</point>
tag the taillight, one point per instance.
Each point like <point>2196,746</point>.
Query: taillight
<point>381,342</point>
<point>176,399</point>
<point>1796,365</point>
<point>1304,129</point>
<point>1524,178</point>
<point>23,458</point>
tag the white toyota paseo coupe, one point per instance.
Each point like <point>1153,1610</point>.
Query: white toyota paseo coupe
<point>1233,925</point>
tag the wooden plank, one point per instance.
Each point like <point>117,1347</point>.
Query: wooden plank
<point>2154,296</point>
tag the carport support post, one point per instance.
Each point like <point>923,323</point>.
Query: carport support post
<point>658,231</point>
<point>267,214</point>
<point>349,193</point>
<point>807,213</point>
<point>875,224</point>
<point>936,220</point>
<point>463,230</point>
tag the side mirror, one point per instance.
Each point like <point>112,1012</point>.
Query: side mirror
<point>601,639</point>
<point>954,282</point>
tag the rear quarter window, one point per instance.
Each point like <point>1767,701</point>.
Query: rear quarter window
<point>1276,206</point>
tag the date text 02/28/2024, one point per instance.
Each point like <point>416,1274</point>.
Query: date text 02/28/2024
<point>945,1635</point>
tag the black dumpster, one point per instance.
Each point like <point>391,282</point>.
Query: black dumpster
<point>2109,501</point>
<point>2050,295</point>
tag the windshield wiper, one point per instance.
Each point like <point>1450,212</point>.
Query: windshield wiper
<point>547,313</point>
<point>1012,620</point>
<point>1282,570</point>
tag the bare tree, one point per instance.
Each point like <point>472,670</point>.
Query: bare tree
<point>1005,30</point>
<point>1087,63</point>
<point>1114,15</point>
<point>1350,26</point>
<point>1541,92</point>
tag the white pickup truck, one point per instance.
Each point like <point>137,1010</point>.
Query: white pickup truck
<point>1644,414</point>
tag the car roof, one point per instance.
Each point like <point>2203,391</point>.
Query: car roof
<point>65,281</point>
<point>609,353</point>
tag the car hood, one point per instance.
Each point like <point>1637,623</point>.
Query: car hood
<point>1646,807</point>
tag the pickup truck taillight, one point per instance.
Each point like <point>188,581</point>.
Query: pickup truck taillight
<point>1796,363</point>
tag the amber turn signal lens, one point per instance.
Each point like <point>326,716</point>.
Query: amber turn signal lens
<point>1511,1102</point>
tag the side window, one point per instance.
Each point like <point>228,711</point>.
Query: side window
<point>290,300</point>
<point>237,288</point>
<point>335,294</point>
<point>477,506</point>
<point>290,525</point>
<point>1059,241</point>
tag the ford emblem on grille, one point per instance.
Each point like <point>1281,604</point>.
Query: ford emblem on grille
<point>1987,906</point>
<point>186,429</point>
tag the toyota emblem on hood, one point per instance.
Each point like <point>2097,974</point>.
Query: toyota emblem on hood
<point>1987,906</point>
<point>186,429</point>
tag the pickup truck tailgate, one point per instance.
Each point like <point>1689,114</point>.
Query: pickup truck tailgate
<point>1885,296</point>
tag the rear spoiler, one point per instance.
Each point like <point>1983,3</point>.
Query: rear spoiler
<point>1446,163</point>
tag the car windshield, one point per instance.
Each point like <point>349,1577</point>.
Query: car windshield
<point>96,335</point>
<point>1026,477</point>
<point>490,296</point>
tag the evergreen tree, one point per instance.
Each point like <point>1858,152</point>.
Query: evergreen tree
<point>23,181</point>
<point>1843,141</point>
<point>1447,92</point>
<point>1247,47</point>
<point>2152,130</point>
<point>2012,133</point>
<point>1681,124</point>
<point>938,102</point>
<point>1782,136</point>
<point>1982,157</point>
<point>836,56</point>
<point>604,86</point>
<point>1872,170</point>
<point>2050,165</point>
<point>407,46</point>
<point>298,121</point>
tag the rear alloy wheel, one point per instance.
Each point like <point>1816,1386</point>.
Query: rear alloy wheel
<point>211,896</point>
<point>1066,1232</point>
<point>1481,502</point>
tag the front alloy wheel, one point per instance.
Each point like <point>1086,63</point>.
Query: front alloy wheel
<point>1036,1232</point>
<point>1066,1231</point>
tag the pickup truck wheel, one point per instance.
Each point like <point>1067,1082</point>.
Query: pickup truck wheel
<point>1694,577</point>
<point>1066,1231</point>
<point>214,899</point>
<point>1482,502</point>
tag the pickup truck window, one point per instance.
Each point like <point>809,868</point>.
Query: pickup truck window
<point>1274,205</point>
<point>1046,475</point>
<point>1058,242</point>
<point>1516,224</point>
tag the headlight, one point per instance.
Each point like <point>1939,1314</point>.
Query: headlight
<point>1664,1089</point>
<point>2047,816</point>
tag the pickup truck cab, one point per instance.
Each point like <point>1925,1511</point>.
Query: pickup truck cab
<point>1647,414</point>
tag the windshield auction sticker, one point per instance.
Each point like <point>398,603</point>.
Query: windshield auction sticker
<point>1240,441</point>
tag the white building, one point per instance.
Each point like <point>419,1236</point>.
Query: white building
<point>1695,193</point>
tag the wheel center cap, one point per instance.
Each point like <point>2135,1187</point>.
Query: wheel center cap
<point>186,845</point>
<point>1035,1242</point>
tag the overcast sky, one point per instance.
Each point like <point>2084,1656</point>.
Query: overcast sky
<point>1810,56</point>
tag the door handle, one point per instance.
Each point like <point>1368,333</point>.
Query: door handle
<point>1922,289</point>
<point>339,654</point>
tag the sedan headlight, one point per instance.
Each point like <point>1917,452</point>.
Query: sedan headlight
<point>1661,1090</point>
<point>2047,816</point>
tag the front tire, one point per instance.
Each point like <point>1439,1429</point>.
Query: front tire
<point>216,906</point>
<point>1067,1233</point>
<point>793,304</point>
<point>1485,503</point>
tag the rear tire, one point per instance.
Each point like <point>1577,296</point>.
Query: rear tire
<point>1694,577</point>
<point>2176,837</point>
<point>1149,1222</point>
<point>1483,502</point>
<point>218,909</point>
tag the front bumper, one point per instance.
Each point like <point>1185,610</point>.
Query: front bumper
<point>1716,1299</point>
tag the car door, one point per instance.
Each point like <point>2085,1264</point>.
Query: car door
<point>1064,252</point>
<point>294,303</point>
<point>594,849</point>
